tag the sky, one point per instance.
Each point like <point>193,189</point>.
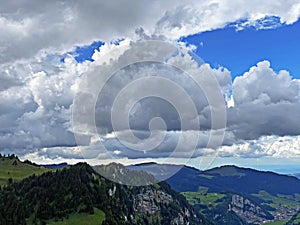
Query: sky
<point>201,83</point>
<point>238,50</point>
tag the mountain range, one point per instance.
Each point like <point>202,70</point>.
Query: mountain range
<point>233,195</point>
<point>77,194</point>
<point>82,194</point>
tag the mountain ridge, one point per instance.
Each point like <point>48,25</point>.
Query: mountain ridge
<point>235,195</point>
<point>226,194</point>
<point>57,194</point>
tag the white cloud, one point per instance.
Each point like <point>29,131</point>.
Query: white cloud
<point>265,103</point>
<point>141,114</point>
<point>209,15</point>
<point>37,89</point>
<point>41,118</point>
<point>262,84</point>
<point>31,27</point>
<point>265,146</point>
<point>37,113</point>
<point>268,22</point>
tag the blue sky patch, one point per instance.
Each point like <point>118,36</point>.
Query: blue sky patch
<point>239,50</point>
<point>83,53</point>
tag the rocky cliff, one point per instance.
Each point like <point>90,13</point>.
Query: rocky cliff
<point>247,210</point>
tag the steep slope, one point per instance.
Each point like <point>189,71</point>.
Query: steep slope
<point>295,220</point>
<point>233,195</point>
<point>80,190</point>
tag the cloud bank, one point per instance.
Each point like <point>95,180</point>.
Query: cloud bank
<point>32,27</point>
<point>37,88</point>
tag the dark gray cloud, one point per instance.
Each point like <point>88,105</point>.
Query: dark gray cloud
<point>7,82</point>
<point>37,90</point>
<point>37,115</point>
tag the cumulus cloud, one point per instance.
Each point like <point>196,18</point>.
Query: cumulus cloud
<point>261,96</point>
<point>208,15</point>
<point>31,27</point>
<point>265,103</point>
<point>37,113</point>
<point>167,148</point>
<point>159,84</point>
<point>274,146</point>
<point>37,89</point>
<point>262,84</point>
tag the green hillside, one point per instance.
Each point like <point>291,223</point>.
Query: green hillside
<point>81,218</point>
<point>12,167</point>
<point>77,194</point>
<point>295,220</point>
<point>279,222</point>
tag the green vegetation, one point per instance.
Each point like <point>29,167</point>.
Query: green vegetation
<point>226,171</point>
<point>202,190</point>
<point>295,220</point>
<point>274,196</point>
<point>82,218</point>
<point>77,193</point>
<point>12,168</point>
<point>280,222</point>
<point>192,197</point>
<point>205,176</point>
<point>210,199</point>
<point>297,196</point>
<point>277,201</point>
<point>212,204</point>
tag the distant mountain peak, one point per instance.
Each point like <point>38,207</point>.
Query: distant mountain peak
<point>54,166</point>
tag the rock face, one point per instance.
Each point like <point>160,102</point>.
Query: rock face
<point>247,210</point>
<point>150,201</point>
<point>150,204</point>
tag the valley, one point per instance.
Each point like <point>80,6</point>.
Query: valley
<point>233,195</point>
<point>80,194</point>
